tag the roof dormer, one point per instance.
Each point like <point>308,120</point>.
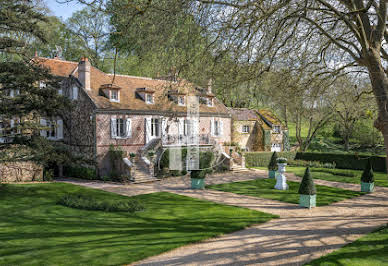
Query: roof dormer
<point>145,94</point>
<point>111,91</point>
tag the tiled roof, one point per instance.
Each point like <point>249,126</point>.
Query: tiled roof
<point>128,85</point>
<point>269,117</point>
<point>243,114</point>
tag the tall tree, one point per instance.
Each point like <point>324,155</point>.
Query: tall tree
<point>22,100</point>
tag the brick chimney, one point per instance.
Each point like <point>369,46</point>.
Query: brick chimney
<point>84,72</point>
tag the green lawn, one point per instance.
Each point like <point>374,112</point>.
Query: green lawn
<point>381,179</point>
<point>371,249</point>
<point>264,188</point>
<point>34,230</point>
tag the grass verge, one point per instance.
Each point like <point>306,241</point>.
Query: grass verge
<point>371,249</point>
<point>34,230</point>
<point>264,188</point>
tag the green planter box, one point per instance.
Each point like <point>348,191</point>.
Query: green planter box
<point>308,201</point>
<point>367,187</point>
<point>271,174</point>
<point>197,183</point>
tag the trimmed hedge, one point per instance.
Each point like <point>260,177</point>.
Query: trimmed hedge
<point>262,159</point>
<point>345,160</point>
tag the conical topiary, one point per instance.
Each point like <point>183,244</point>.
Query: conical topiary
<point>307,186</point>
<point>367,175</point>
<point>272,166</point>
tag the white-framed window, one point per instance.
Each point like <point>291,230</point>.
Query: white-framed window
<point>216,127</point>
<point>276,129</point>
<point>181,101</point>
<point>187,130</point>
<point>245,129</point>
<point>155,127</point>
<point>210,102</point>
<point>114,95</point>
<point>74,93</point>
<point>53,128</point>
<point>121,128</point>
<point>42,84</point>
<point>149,98</point>
<point>276,147</point>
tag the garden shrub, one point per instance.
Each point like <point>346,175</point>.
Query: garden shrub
<point>80,172</point>
<point>262,159</point>
<point>48,174</point>
<point>85,202</point>
<point>115,157</point>
<point>307,186</point>
<point>367,175</point>
<point>273,166</point>
<point>345,160</point>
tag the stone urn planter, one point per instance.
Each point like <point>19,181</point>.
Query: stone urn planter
<point>197,179</point>
<point>307,191</point>
<point>367,179</point>
<point>281,180</point>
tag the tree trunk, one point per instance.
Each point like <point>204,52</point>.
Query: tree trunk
<point>346,142</point>
<point>379,82</point>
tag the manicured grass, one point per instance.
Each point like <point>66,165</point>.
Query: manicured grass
<point>34,230</point>
<point>264,188</point>
<point>371,249</point>
<point>381,179</point>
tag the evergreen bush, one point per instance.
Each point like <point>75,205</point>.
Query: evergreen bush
<point>367,175</point>
<point>307,186</point>
<point>272,166</point>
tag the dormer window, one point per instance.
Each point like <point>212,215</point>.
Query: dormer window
<point>210,102</point>
<point>276,129</point>
<point>114,96</point>
<point>181,101</point>
<point>149,98</point>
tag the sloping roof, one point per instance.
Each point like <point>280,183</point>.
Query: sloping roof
<point>269,117</point>
<point>243,114</point>
<point>128,85</point>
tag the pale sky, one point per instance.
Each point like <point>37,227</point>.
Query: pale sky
<point>63,10</point>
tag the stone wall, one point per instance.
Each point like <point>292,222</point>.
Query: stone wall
<point>20,172</point>
<point>252,141</point>
<point>79,123</point>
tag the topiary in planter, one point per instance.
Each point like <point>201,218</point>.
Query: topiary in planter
<point>307,190</point>
<point>198,179</point>
<point>367,178</point>
<point>272,166</point>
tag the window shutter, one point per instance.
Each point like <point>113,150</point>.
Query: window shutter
<point>147,125</point>
<point>43,132</point>
<point>164,126</point>
<point>59,129</point>
<point>129,128</point>
<point>113,128</point>
<point>221,123</point>
<point>11,93</point>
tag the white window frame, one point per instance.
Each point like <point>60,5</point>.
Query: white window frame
<point>74,93</point>
<point>210,102</point>
<point>181,100</point>
<point>245,129</point>
<point>56,129</point>
<point>123,132</point>
<point>42,84</point>
<point>276,129</point>
<point>114,99</point>
<point>217,127</point>
<point>155,127</point>
<point>149,98</point>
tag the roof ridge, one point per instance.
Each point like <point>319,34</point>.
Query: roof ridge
<point>129,76</point>
<point>56,59</point>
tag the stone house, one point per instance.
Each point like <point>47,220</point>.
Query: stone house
<point>136,114</point>
<point>258,130</point>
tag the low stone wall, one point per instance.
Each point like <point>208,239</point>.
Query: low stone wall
<point>20,172</point>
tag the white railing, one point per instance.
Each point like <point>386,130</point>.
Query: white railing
<point>180,139</point>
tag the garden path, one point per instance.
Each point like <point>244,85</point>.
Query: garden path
<point>298,236</point>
